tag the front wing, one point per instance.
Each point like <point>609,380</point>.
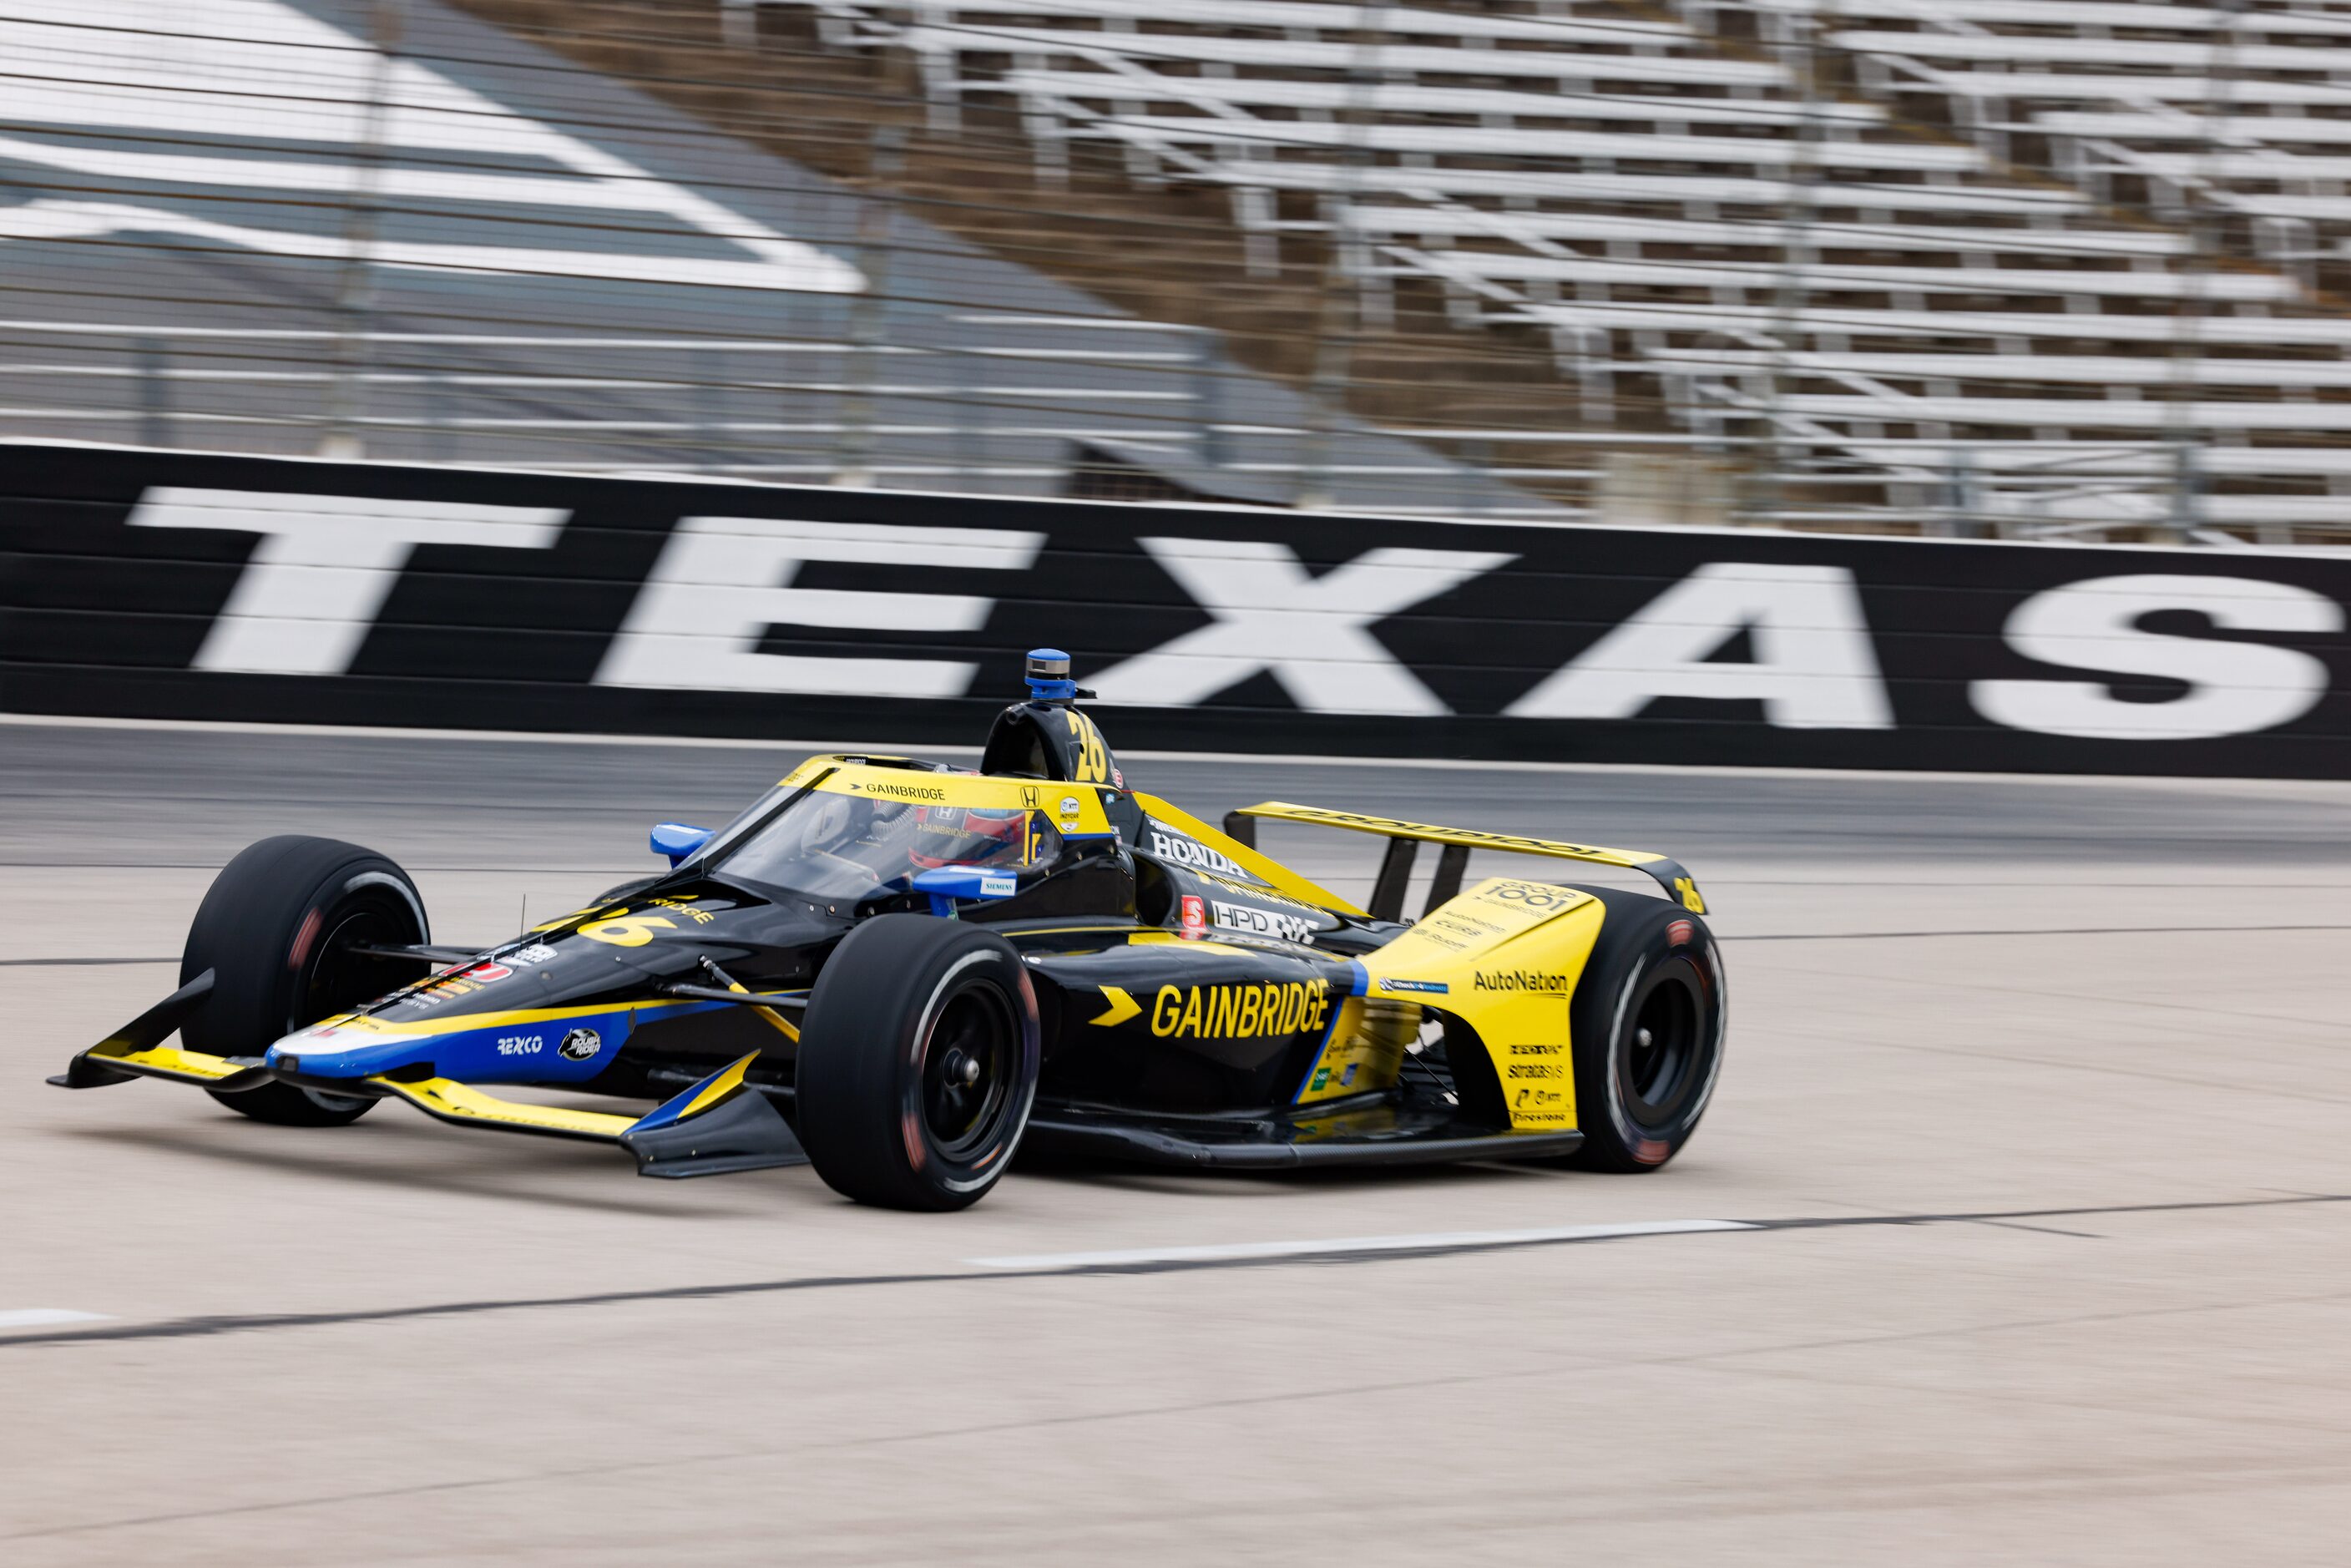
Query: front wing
<point>722,1123</point>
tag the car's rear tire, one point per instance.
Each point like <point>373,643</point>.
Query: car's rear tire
<point>276,929</point>
<point>918,1063</point>
<point>1647,1023</point>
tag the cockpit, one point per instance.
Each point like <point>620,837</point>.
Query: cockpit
<point>826,845</point>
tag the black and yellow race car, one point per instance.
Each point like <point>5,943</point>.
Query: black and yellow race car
<point>903,973</point>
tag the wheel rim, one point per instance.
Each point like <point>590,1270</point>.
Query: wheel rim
<point>336,979</point>
<point>969,1067</point>
<point>1665,1047</point>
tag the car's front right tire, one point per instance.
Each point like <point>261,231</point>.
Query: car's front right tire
<point>918,1063</point>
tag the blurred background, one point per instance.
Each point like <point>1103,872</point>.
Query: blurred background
<point>2008,268</point>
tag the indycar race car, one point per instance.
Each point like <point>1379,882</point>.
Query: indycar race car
<point>903,973</point>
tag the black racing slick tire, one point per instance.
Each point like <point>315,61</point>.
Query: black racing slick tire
<point>1646,1025</point>
<point>276,929</point>
<point>918,1063</point>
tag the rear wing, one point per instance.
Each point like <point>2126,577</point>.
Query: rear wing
<point>1404,840</point>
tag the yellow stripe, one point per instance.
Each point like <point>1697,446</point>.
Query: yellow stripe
<point>452,1101</point>
<point>770,1014</point>
<point>168,1061</point>
<point>456,1023</point>
<point>1429,832</point>
<point>1280,876</point>
<point>722,1085</point>
<point>1199,943</point>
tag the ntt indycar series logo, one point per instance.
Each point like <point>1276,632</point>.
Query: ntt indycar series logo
<point>1525,981</point>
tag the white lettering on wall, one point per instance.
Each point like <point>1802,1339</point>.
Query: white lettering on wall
<point>2234,688</point>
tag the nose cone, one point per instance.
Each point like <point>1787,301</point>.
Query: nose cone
<point>356,1047</point>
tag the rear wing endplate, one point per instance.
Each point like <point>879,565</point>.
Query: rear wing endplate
<point>1405,839</point>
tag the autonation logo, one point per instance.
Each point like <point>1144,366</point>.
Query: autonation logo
<point>237,125</point>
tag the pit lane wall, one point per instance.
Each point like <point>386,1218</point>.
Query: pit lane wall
<point>154,584</point>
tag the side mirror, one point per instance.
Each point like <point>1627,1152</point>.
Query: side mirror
<point>946,883</point>
<point>679,840</point>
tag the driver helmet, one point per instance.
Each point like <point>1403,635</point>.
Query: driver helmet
<point>983,835</point>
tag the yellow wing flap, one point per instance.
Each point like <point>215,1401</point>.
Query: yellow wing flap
<point>449,1100</point>
<point>1678,883</point>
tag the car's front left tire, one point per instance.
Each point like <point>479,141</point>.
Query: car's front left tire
<point>918,1063</point>
<point>277,929</point>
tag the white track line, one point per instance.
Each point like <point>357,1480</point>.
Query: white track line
<point>38,1317</point>
<point>1350,1244</point>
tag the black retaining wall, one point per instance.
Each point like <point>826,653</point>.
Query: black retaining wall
<point>597,605</point>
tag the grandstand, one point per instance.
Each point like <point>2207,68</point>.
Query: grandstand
<point>2025,266</point>
<point>1859,237</point>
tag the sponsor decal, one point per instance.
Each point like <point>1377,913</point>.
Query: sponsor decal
<point>1432,988</point>
<point>905,791</point>
<point>1526,980</point>
<point>1181,850</point>
<point>1526,1049</point>
<point>1068,811</point>
<point>1029,796</point>
<point>522,1045</point>
<point>1533,1070</point>
<point>537,953</point>
<point>1239,1011</point>
<point>1347,1078</point>
<point>581,1044</point>
<point>485,973</point>
<point>1255,922</point>
<point>1262,895</point>
<point>1534,1102</point>
<point>434,992</point>
<point>997,886</point>
<point>1093,753</point>
<point>1681,934</point>
<point>1541,897</point>
<point>1321,1076</point>
<point>682,906</point>
<point>627,930</point>
<point>1196,919</point>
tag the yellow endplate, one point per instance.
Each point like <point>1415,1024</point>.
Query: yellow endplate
<point>1431,834</point>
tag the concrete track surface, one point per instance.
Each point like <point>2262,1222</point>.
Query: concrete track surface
<point>2038,1089</point>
